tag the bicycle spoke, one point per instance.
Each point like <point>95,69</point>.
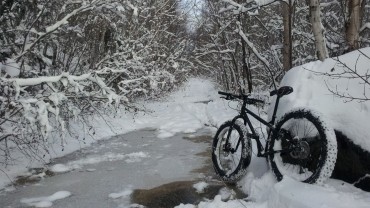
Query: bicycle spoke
<point>304,158</point>
<point>229,160</point>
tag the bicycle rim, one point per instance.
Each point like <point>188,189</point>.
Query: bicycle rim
<point>306,160</point>
<point>229,162</point>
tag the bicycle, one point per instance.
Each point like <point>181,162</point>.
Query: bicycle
<point>299,145</point>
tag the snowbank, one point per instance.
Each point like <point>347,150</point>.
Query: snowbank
<point>328,87</point>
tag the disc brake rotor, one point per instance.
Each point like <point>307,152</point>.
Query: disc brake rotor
<point>301,151</point>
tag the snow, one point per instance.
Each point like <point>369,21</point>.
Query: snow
<point>46,201</point>
<point>264,2</point>
<point>196,105</point>
<point>265,192</point>
<point>135,9</point>
<point>251,45</point>
<point>351,117</point>
<point>200,186</point>
<point>365,26</point>
<point>94,159</point>
<point>311,83</point>
<point>125,193</point>
<point>290,193</point>
<point>60,168</point>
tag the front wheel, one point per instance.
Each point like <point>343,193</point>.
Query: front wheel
<point>232,156</point>
<point>303,147</point>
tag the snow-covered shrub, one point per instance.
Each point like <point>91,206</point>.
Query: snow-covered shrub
<point>63,60</point>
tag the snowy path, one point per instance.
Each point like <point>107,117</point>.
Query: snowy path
<point>105,174</point>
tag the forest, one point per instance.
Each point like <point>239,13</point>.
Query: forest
<point>63,61</point>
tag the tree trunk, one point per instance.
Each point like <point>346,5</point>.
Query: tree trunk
<point>287,35</point>
<point>247,74</point>
<point>318,30</point>
<point>353,24</point>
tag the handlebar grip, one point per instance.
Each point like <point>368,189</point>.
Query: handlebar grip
<point>229,96</point>
<point>223,93</point>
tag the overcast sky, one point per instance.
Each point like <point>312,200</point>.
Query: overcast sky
<point>193,8</point>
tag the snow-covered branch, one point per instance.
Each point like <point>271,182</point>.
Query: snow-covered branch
<point>365,26</point>
<point>52,28</point>
<point>353,73</point>
<point>251,46</point>
<point>65,60</point>
<point>237,8</point>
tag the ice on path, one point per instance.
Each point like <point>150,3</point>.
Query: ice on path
<point>46,201</point>
<point>94,159</point>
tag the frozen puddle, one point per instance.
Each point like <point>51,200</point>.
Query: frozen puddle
<point>111,172</point>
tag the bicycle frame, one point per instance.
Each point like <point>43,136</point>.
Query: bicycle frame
<point>271,125</point>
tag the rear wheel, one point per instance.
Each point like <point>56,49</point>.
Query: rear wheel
<point>231,158</point>
<point>305,148</point>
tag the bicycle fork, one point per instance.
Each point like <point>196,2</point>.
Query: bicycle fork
<point>227,147</point>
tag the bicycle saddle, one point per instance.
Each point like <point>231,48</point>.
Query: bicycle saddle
<point>284,90</point>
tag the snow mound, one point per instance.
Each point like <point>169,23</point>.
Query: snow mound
<point>60,168</point>
<point>316,83</point>
<point>200,186</point>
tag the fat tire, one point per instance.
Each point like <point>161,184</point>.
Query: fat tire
<point>246,149</point>
<point>327,156</point>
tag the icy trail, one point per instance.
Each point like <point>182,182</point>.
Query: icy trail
<point>184,111</point>
<point>104,175</point>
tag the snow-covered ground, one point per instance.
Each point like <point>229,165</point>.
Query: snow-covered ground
<point>197,106</point>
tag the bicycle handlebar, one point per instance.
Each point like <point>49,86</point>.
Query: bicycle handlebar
<point>251,101</point>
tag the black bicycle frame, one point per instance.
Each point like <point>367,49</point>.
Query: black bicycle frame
<point>244,115</point>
